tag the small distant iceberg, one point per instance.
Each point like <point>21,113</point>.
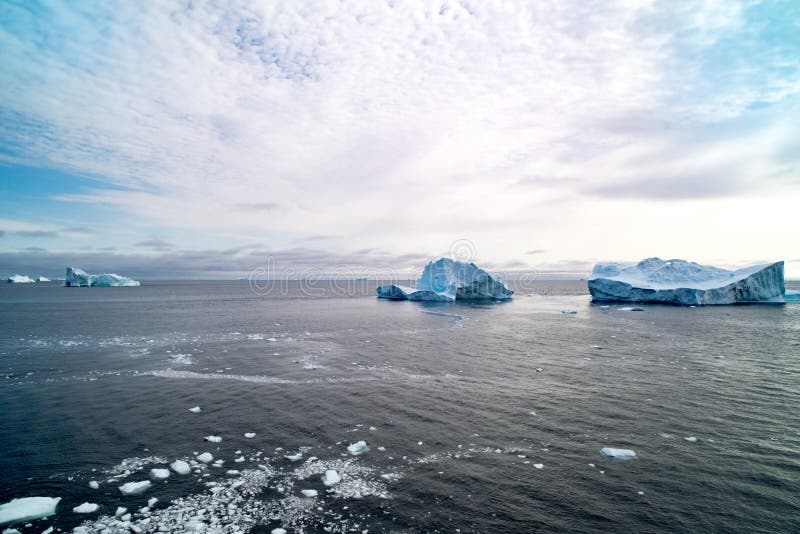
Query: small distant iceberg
<point>447,280</point>
<point>42,279</point>
<point>686,283</point>
<point>19,279</point>
<point>78,278</point>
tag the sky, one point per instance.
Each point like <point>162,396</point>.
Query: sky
<point>208,139</point>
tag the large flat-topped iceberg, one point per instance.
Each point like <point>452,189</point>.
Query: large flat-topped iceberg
<point>446,280</point>
<point>78,278</point>
<point>685,283</point>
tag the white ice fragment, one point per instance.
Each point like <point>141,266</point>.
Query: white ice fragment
<point>331,477</point>
<point>213,439</point>
<point>617,453</point>
<point>86,508</point>
<point>120,511</point>
<point>357,448</point>
<point>278,531</point>
<point>309,493</point>
<point>249,435</point>
<point>196,409</point>
<point>206,457</point>
<point>159,474</point>
<point>294,457</point>
<point>538,466</point>
<point>691,439</point>
<point>27,508</point>
<point>181,467</point>
<point>152,501</point>
<point>94,484</point>
<point>135,488</point>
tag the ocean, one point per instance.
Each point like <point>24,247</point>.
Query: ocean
<point>482,417</point>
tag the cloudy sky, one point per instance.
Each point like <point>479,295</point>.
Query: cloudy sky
<point>201,138</point>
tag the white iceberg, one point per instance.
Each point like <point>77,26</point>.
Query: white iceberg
<point>686,283</point>
<point>357,448</point>
<point>623,454</point>
<point>331,477</point>
<point>249,435</point>
<point>86,508</point>
<point>19,279</point>
<point>27,509</point>
<point>135,488</point>
<point>206,457</point>
<point>78,278</point>
<point>181,467</point>
<point>213,439</point>
<point>309,493</point>
<point>196,409</point>
<point>159,473</point>
<point>42,279</point>
<point>446,280</point>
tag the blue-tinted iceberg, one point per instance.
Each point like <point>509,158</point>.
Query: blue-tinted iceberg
<point>446,280</point>
<point>19,279</point>
<point>78,278</point>
<point>686,283</point>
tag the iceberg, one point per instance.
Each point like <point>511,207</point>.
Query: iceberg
<point>685,283</point>
<point>447,280</point>
<point>27,509</point>
<point>358,448</point>
<point>42,279</point>
<point>623,454</point>
<point>86,508</point>
<point>78,278</point>
<point>19,279</point>
<point>331,477</point>
<point>135,488</point>
<point>181,467</point>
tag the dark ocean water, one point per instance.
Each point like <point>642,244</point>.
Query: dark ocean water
<point>479,417</point>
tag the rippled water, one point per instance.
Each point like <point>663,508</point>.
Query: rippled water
<point>482,417</point>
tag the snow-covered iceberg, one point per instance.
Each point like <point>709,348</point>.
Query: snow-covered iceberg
<point>685,283</point>
<point>78,278</point>
<point>42,279</point>
<point>446,280</point>
<point>19,279</point>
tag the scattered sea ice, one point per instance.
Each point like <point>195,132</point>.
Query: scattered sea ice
<point>309,493</point>
<point>357,448</point>
<point>135,488</point>
<point>180,467</point>
<point>617,453</point>
<point>249,434</point>
<point>86,508</point>
<point>213,439</point>
<point>27,509</point>
<point>331,477</point>
<point>196,409</point>
<point>206,457</point>
<point>159,473</point>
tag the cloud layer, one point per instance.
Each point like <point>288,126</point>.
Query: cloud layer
<point>613,129</point>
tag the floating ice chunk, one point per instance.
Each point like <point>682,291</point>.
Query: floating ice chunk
<point>182,359</point>
<point>249,435</point>
<point>686,283</point>
<point>94,484</point>
<point>309,493</point>
<point>446,280</point>
<point>294,457</point>
<point>78,278</point>
<point>278,531</point>
<point>213,439</point>
<point>181,467</point>
<point>538,466</point>
<point>691,439</point>
<point>135,488</point>
<point>120,511</point>
<point>159,474</point>
<point>19,279</point>
<point>196,409</point>
<point>331,477</point>
<point>206,457</point>
<point>86,508</point>
<point>152,501</point>
<point>27,509</point>
<point>357,448</point>
<point>617,453</point>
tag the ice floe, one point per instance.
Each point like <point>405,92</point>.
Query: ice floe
<point>135,488</point>
<point>94,484</point>
<point>617,453</point>
<point>196,409</point>
<point>205,457</point>
<point>309,492</point>
<point>331,477</point>
<point>86,508</point>
<point>358,448</point>
<point>181,467</point>
<point>249,435</point>
<point>27,509</point>
<point>159,473</point>
<point>213,439</point>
